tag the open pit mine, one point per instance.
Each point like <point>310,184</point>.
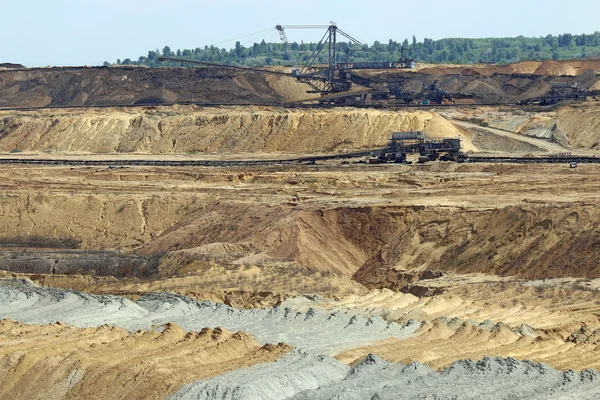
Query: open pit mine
<point>212,233</point>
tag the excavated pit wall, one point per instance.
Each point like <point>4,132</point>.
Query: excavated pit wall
<point>76,86</point>
<point>379,246</point>
<point>205,130</point>
<point>80,262</point>
<point>575,125</point>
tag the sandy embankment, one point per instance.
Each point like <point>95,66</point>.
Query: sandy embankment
<point>205,130</point>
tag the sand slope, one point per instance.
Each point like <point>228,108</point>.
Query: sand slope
<point>70,86</point>
<point>61,362</point>
<point>374,378</point>
<point>192,129</point>
<point>298,371</point>
<point>314,330</point>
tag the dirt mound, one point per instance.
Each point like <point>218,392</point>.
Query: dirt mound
<point>486,141</point>
<point>484,88</point>
<point>283,236</point>
<point>108,362</point>
<point>315,330</point>
<point>297,371</point>
<point>442,342</point>
<point>128,85</point>
<point>194,129</point>
<point>506,84</point>
<point>290,89</point>
<point>513,310</point>
<point>11,66</point>
<point>567,68</point>
<point>76,86</point>
<point>582,126</point>
<point>489,378</point>
<point>541,68</point>
<point>306,377</point>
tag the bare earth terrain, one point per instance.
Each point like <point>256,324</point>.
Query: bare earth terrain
<point>339,279</point>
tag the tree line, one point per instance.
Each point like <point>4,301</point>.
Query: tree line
<point>453,51</point>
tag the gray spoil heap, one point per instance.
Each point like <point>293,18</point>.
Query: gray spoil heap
<point>296,372</point>
<point>301,376</point>
<point>315,330</point>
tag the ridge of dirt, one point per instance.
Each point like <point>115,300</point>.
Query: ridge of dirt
<point>548,67</point>
<point>58,361</point>
<point>488,378</point>
<point>467,302</point>
<point>125,85</point>
<point>75,86</point>
<point>440,343</point>
<point>181,129</point>
<point>315,330</point>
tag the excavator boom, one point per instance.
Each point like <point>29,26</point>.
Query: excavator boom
<point>225,66</point>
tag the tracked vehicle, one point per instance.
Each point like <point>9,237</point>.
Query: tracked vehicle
<point>402,144</point>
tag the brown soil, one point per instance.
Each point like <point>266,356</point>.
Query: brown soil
<point>77,86</point>
<point>582,125</point>
<point>194,129</point>
<point>486,141</point>
<point>574,125</point>
<point>127,85</point>
<point>517,243</point>
<point>11,66</point>
<point>551,68</point>
<point>374,223</point>
<point>58,361</point>
<point>439,345</point>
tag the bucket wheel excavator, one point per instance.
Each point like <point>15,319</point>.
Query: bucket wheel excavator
<point>337,83</point>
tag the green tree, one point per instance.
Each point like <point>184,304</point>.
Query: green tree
<point>456,50</point>
<point>565,40</point>
<point>238,49</point>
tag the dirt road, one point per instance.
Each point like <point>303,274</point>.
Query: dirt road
<point>543,144</point>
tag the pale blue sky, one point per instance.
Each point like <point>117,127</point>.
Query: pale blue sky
<point>87,32</point>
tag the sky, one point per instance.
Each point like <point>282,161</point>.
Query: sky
<point>89,32</point>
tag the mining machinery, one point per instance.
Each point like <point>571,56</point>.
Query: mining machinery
<point>336,82</point>
<point>433,93</point>
<point>436,93</point>
<point>563,91</point>
<point>403,143</point>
